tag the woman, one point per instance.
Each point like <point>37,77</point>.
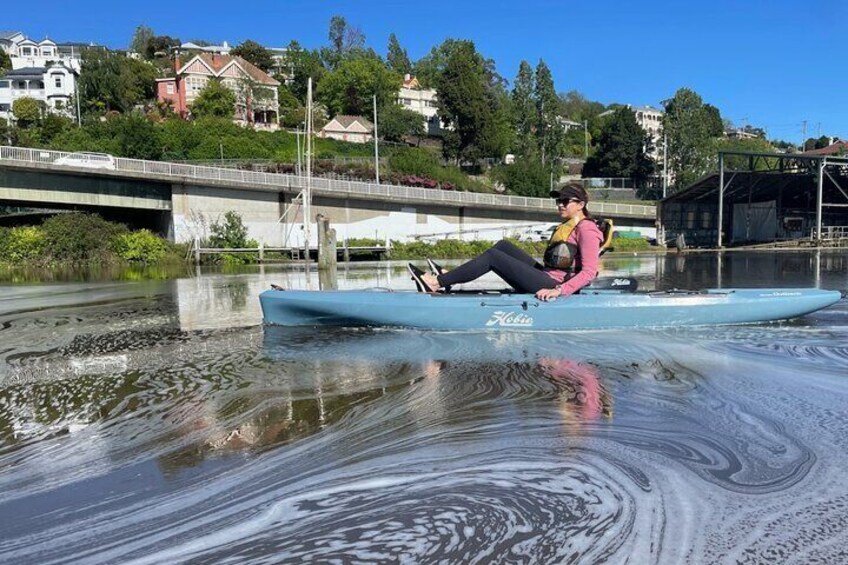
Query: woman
<point>550,281</point>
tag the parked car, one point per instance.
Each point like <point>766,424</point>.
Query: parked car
<point>87,160</point>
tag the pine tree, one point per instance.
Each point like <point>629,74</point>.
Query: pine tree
<point>397,58</point>
<point>549,129</point>
<point>524,107</point>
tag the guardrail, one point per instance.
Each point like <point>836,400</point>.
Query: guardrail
<point>321,185</point>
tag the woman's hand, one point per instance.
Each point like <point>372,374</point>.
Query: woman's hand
<point>548,294</point>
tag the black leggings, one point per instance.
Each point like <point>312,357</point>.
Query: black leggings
<point>517,268</point>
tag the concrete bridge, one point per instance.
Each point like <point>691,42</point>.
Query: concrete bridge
<point>182,201</point>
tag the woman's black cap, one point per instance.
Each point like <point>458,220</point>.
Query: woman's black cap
<point>569,191</point>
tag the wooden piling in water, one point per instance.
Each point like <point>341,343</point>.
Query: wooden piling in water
<point>326,243</point>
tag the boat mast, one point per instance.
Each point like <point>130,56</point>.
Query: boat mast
<point>307,191</point>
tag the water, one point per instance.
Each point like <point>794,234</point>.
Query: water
<point>158,422</point>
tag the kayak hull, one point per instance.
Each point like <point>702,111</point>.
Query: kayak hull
<point>584,311</point>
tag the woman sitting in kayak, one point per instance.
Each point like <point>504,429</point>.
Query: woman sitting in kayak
<point>571,259</point>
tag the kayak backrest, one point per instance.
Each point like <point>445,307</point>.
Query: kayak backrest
<point>606,227</point>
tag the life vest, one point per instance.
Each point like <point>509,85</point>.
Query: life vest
<point>560,254</point>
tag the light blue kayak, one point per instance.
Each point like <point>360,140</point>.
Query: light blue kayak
<point>600,309</point>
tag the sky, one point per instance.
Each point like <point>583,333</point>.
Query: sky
<point>771,64</point>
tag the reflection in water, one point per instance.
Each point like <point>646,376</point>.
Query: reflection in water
<point>159,423</point>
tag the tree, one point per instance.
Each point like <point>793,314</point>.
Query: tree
<point>160,45</point>
<point>349,88</point>
<point>303,65</point>
<point>397,123</point>
<point>574,106</point>
<point>112,82</point>
<point>27,111</point>
<point>138,137</point>
<point>141,37</point>
<point>524,108</point>
<point>215,100</point>
<point>477,109</point>
<point>688,128</point>
<point>396,57</point>
<point>621,149</point>
<point>813,143</point>
<point>525,177</point>
<point>5,62</point>
<point>549,128</point>
<point>344,40</point>
<point>712,117</point>
<point>255,54</point>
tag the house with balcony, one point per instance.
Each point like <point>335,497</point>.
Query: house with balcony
<point>52,85</point>
<point>421,101</point>
<point>257,101</point>
<point>27,53</point>
<point>354,129</point>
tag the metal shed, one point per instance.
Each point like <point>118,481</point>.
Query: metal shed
<point>794,199</point>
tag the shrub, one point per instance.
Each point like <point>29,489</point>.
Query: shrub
<point>229,233</point>
<point>630,244</point>
<point>22,244</point>
<point>76,237</point>
<point>140,246</point>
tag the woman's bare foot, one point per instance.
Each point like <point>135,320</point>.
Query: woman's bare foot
<point>431,281</point>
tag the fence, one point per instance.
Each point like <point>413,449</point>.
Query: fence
<point>322,185</point>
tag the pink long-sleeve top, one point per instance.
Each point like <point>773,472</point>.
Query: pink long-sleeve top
<point>588,238</point>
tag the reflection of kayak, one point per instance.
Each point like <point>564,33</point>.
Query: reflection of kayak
<point>588,310</point>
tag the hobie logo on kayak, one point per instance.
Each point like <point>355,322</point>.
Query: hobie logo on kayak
<point>781,294</point>
<point>510,319</point>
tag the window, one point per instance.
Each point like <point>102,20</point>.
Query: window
<point>58,81</point>
<point>26,51</point>
<point>705,219</point>
<point>169,88</point>
<point>4,84</point>
<point>690,220</point>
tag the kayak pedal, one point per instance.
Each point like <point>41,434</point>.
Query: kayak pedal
<point>276,287</point>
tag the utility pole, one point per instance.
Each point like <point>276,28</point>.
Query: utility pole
<point>585,139</point>
<point>665,162</point>
<point>376,144</point>
<point>76,95</point>
<point>297,137</point>
<point>307,192</point>
<point>803,136</point>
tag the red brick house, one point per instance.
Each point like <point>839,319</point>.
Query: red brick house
<point>257,103</point>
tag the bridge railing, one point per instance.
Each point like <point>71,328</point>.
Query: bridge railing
<point>323,185</point>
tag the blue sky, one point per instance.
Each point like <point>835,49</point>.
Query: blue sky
<point>772,64</point>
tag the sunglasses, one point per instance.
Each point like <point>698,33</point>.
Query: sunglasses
<point>565,201</point>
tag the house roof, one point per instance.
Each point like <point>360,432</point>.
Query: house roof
<point>409,81</point>
<point>347,121</point>
<point>9,34</point>
<point>26,72</point>
<point>838,148</point>
<point>217,64</point>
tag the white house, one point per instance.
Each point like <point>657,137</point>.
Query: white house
<point>421,101</point>
<point>354,129</point>
<point>223,49</point>
<point>27,53</point>
<point>52,85</point>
